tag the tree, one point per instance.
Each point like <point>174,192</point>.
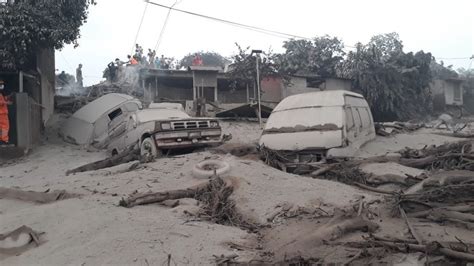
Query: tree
<point>208,58</point>
<point>243,66</point>
<point>439,71</point>
<point>319,56</point>
<point>28,25</point>
<point>396,84</point>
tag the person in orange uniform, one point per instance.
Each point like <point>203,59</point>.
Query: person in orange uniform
<point>4,122</point>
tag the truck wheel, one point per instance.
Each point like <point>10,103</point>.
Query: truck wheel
<point>148,148</point>
<point>206,169</point>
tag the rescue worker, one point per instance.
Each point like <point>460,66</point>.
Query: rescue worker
<point>132,61</point>
<point>4,122</point>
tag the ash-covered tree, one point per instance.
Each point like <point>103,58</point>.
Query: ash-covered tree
<point>243,66</point>
<point>319,56</point>
<point>440,71</point>
<point>208,59</point>
<point>396,84</point>
<point>28,25</point>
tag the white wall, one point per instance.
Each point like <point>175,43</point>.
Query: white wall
<point>447,88</point>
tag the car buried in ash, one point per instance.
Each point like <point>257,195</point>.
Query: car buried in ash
<point>166,126</point>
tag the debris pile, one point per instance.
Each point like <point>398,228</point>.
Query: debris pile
<point>392,128</point>
<point>214,196</point>
<point>450,156</point>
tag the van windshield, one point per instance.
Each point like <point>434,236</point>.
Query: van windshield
<point>301,119</point>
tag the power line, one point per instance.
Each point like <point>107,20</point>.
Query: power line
<point>160,37</point>
<point>139,26</point>
<point>237,24</point>
<point>453,58</point>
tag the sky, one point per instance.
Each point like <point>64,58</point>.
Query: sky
<point>444,28</point>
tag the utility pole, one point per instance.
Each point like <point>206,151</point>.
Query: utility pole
<point>257,57</point>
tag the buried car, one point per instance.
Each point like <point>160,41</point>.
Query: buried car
<point>310,127</point>
<point>100,120</point>
<point>165,126</point>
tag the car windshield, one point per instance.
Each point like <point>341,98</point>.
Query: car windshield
<point>306,117</point>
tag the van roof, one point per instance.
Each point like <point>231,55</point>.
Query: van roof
<point>95,109</point>
<point>313,99</point>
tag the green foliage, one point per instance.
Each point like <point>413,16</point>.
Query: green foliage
<point>319,56</point>
<point>439,71</point>
<point>27,25</point>
<point>396,84</point>
<point>243,66</point>
<point>208,59</point>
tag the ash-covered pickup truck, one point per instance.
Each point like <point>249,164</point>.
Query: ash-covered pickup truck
<point>166,126</point>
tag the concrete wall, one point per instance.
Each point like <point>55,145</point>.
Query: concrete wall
<point>300,85</point>
<point>46,67</point>
<point>232,96</point>
<point>28,115</point>
<point>447,88</point>
<point>173,93</point>
<point>337,84</point>
<point>272,89</point>
<point>297,85</point>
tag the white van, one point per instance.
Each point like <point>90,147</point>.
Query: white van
<point>311,126</point>
<point>100,120</point>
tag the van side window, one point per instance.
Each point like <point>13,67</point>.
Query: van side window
<point>357,120</point>
<point>115,113</point>
<point>368,115</point>
<point>349,118</point>
<point>364,117</point>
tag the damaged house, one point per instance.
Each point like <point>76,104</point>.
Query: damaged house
<point>447,93</point>
<point>32,89</point>
<point>224,95</point>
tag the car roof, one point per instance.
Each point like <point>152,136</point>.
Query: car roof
<point>97,108</point>
<point>315,99</point>
<point>152,114</point>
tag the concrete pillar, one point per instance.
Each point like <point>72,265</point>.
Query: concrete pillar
<point>215,94</point>
<point>248,96</point>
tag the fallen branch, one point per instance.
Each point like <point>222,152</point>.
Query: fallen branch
<point>459,208</point>
<point>121,158</point>
<point>432,247</point>
<point>410,227</point>
<point>156,197</point>
<point>33,196</point>
<point>374,189</point>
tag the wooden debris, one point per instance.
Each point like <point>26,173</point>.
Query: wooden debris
<point>214,196</point>
<point>34,196</point>
<point>121,158</point>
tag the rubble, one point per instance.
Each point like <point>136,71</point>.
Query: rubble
<point>18,241</point>
<point>342,212</point>
<point>391,128</point>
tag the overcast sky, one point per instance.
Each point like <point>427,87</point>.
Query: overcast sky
<point>444,28</point>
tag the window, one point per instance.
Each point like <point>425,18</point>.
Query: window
<point>313,82</point>
<point>457,93</point>
<point>356,115</point>
<point>364,117</point>
<point>349,118</point>
<point>368,115</point>
<point>115,113</point>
